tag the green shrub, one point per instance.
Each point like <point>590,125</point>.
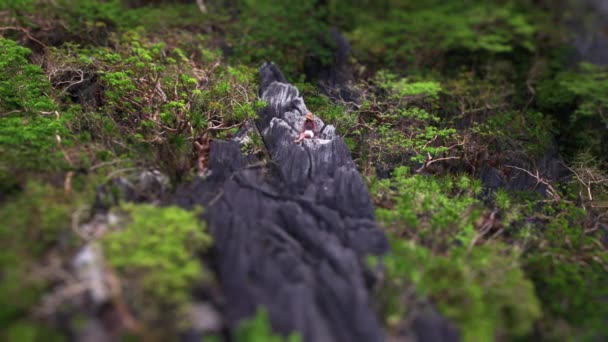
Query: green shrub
<point>484,291</point>
<point>529,133</point>
<point>588,123</point>
<point>563,258</point>
<point>23,86</point>
<point>442,210</point>
<point>398,123</point>
<point>157,253</point>
<point>438,251</point>
<point>560,256</point>
<point>423,34</point>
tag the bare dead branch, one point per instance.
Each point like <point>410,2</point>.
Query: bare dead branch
<point>550,189</point>
<point>432,161</point>
<point>26,32</point>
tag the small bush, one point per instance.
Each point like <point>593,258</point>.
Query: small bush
<point>437,250</point>
<point>586,126</point>
<point>398,123</point>
<point>157,253</point>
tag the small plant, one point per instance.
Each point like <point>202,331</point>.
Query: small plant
<point>258,329</point>
<point>30,124</point>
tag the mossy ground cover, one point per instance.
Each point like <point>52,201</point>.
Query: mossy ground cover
<point>91,89</point>
<point>155,254</point>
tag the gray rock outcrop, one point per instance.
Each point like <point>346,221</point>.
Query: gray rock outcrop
<point>291,234</point>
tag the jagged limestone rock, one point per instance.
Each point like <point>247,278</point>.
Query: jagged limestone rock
<point>291,236</point>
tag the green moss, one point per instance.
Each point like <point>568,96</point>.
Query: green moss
<point>159,97</point>
<point>23,86</point>
<point>157,252</point>
<point>30,123</point>
<point>399,123</point>
<point>404,87</point>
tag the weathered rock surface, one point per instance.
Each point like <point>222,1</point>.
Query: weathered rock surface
<point>291,234</point>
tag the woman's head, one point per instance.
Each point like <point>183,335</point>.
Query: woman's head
<point>309,116</point>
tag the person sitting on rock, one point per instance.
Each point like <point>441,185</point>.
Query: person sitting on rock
<point>307,129</point>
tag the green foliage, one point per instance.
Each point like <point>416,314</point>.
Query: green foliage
<point>480,286</point>
<point>424,33</point>
<point>23,86</point>
<point>32,223</point>
<point>92,21</point>
<point>474,96</point>
<point>562,257</point>
<point>403,123</point>
<point>157,99</point>
<point>585,126</point>
<point>29,122</point>
<point>258,329</point>
<point>442,210</point>
<point>29,332</point>
<point>590,84</point>
<point>404,88</point>
<point>256,39</point>
<point>484,291</point>
<point>529,132</point>
<point>157,251</point>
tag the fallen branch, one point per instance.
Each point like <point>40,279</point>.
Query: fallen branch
<point>550,189</point>
<point>27,34</point>
<point>11,112</point>
<point>432,161</point>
